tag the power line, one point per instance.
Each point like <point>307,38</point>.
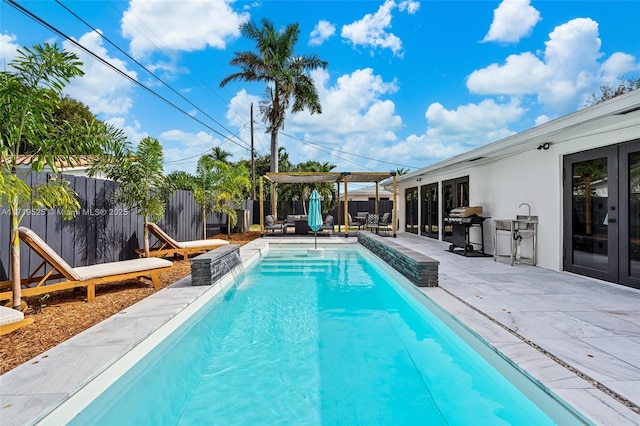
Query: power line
<point>201,84</point>
<point>144,68</point>
<point>105,62</point>
<point>331,150</point>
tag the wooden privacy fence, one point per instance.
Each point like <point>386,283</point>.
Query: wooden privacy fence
<point>101,232</point>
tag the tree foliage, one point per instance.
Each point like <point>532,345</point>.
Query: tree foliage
<point>142,185</point>
<point>292,192</point>
<point>30,93</point>
<point>609,92</point>
<point>179,179</point>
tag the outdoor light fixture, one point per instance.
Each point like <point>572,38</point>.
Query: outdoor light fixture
<point>544,146</point>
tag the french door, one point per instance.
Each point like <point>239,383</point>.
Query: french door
<point>602,213</point>
<point>429,211</point>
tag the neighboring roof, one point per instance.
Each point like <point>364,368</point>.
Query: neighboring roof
<point>621,112</point>
<point>369,190</point>
<point>327,177</point>
<point>61,162</point>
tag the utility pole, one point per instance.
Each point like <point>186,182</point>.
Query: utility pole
<point>253,159</point>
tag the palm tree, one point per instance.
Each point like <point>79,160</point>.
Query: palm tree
<point>293,192</point>
<point>285,74</point>
<point>219,154</point>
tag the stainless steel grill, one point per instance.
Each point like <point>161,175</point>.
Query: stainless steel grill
<point>461,220</point>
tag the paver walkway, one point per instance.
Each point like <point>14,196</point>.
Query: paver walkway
<point>579,337</point>
<point>548,319</point>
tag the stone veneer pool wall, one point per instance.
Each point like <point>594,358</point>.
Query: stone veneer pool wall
<point>418,268</point>
<point>209,267</point>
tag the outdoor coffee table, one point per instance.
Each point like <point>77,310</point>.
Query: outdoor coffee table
<point>302,227</point>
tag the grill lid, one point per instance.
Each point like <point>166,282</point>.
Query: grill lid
<point>466,211</point>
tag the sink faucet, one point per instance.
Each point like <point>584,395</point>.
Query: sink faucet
<point>528,206</point>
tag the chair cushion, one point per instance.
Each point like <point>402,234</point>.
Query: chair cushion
<point>121,267</point>
<point>9,315</point>
<point>214,242</point>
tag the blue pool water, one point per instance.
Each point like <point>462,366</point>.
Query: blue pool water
<point>332,340</point>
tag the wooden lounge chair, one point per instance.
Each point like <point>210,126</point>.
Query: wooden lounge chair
<point>83,276</point>
<point>11,320</point>
<point>166,246</point>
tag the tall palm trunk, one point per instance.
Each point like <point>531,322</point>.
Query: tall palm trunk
<point>274,169</point>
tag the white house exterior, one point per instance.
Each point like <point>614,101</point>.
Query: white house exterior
<point>545,167</point>
<point>369,193</point>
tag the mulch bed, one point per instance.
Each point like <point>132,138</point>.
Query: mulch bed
<point>67,313</point>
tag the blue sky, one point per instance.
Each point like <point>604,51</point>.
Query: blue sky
<point>408,83</point>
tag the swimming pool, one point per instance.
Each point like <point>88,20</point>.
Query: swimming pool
<point>339,339</point>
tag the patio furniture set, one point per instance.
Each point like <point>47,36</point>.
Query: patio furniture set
<point>299,223</point>
<point>363,220</point>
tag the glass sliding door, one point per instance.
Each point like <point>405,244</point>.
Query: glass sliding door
<point>411,210</point>
<point>630,214</point>
<point>429,212</point>
<point>455,193</point>
<point>601,213</point>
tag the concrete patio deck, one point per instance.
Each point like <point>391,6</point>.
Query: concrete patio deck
<point>577,336</point>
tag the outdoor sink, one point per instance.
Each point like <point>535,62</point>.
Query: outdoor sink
<point>520,223</point>
<point>521,230</point>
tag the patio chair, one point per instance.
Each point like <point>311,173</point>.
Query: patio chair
<point>11,320</point>
<point>165,246</point>
<point>357,223</point>
<point>327,225</point>
<point>270,224</point>
<point>82,276</point>
<point>385,223</point>
<point>372,223</point>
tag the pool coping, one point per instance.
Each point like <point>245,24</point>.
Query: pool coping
<point>34,388</point>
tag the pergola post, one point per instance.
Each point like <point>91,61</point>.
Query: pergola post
<point>346,207</point>
<point>261,206</point>
<point>395,207</point>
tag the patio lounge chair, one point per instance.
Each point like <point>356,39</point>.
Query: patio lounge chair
<point>166,246</point>
<point>11,319</point>
<point>270,224</point>
<point>83,276</point>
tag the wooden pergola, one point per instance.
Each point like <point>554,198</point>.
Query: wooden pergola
<point>331,177</point>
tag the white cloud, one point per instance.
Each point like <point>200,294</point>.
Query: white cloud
<point>616,66</point>
<point>473,124</point>
<point>512,20</point>
<point>541,119</point>
<point>183,149</point>
<point>8,49</point>
<point>355,118</point>
<point>321,32</point>
<point>179,25</point>
<point>102,89</point>
<point>132,133</point>
<point>352,106</point>
<point>410,6</point>
<point>452,132</point>
<point>561,74</point>
<point>371,30</point>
